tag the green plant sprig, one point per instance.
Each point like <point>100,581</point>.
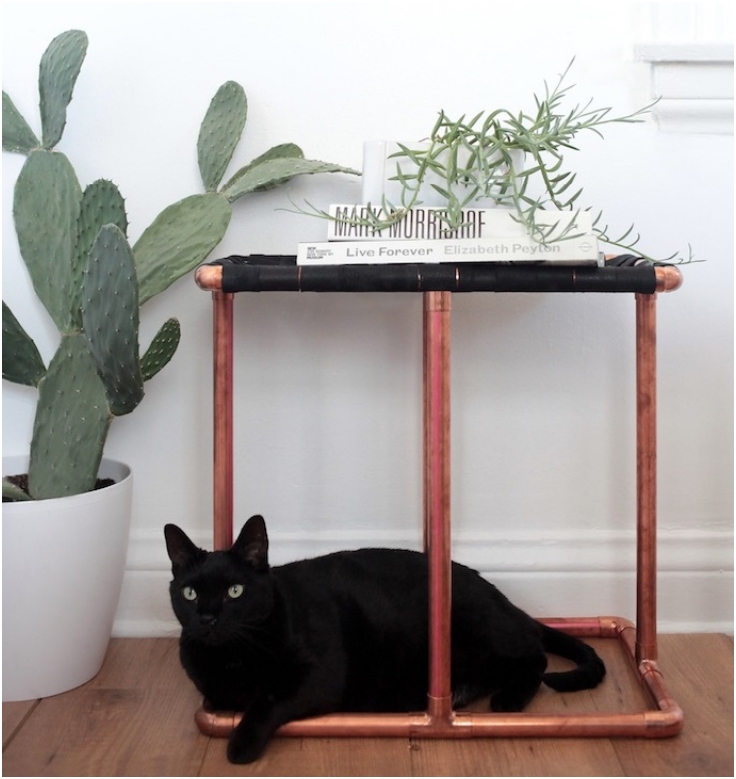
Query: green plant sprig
<point>502,156</point>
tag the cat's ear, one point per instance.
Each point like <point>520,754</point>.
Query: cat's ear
<point>252,543</point>
<point>182,551</point>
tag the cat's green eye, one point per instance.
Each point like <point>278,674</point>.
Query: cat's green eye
<point>189,593</point>
<point>235,590</point>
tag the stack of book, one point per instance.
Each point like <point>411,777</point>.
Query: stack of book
<point>422,236</point>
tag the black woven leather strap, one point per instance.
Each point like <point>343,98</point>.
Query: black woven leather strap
<point>272,273</point>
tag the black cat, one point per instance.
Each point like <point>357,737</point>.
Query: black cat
<point>347,632</point>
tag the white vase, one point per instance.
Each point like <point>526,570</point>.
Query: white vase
<point>379,168</point>
<point>63,565</point>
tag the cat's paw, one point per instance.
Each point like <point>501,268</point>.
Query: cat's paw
<point>245,747</point>
<point>239,753</point>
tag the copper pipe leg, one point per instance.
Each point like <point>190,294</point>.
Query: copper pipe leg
<point>437,497</point>
<point>223,421</point>
<point>646,478</point>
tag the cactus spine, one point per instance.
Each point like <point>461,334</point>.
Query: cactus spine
<point>92,282</point>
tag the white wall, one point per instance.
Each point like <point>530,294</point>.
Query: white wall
<point>329,416</point>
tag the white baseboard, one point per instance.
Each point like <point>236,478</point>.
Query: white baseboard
<point>558,574</point>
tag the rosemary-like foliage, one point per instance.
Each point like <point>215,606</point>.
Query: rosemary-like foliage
<point>514,159</point>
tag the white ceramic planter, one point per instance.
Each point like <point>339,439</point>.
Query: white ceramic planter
<point>63,564</point>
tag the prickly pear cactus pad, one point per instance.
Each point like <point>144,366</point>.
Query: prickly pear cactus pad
<point>17,135</point>
<point>274,171</point>
<point>220,132</point>
<point>22,362</point>
<point>60,66</point>
<point>179,239</point>
<point>72,419</point>
<point>162,349</point>
<point>110,318</point>
<point>102,204</point>
<point>46,208</point>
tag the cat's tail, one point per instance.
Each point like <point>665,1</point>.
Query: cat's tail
<point>590,669</point>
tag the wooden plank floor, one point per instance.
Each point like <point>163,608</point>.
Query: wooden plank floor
<point>136,719</point>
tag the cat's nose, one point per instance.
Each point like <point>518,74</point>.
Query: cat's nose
<point>207,619</point>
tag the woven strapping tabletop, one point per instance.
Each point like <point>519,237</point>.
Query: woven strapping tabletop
<point>280,273</point>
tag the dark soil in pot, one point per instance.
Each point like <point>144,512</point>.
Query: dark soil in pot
<point>21,480</point>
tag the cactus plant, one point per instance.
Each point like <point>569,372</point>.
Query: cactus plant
<point>92,282</point>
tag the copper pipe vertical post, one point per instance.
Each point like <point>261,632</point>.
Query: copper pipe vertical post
<point>646,477</point>
<point>437,498</point>
<point>223,420</point>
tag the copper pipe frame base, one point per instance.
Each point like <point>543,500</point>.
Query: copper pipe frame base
<point>662,721</point>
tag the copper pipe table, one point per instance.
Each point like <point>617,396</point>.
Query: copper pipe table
<point>437,284</point>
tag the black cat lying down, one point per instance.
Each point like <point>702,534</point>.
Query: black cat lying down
<point>347,632</point>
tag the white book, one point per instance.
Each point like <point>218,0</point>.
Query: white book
<point>576,251</point>
<point>346,223</point>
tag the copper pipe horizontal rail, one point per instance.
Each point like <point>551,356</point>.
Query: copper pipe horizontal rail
<point>653,724</point>
<point>663,721</point>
